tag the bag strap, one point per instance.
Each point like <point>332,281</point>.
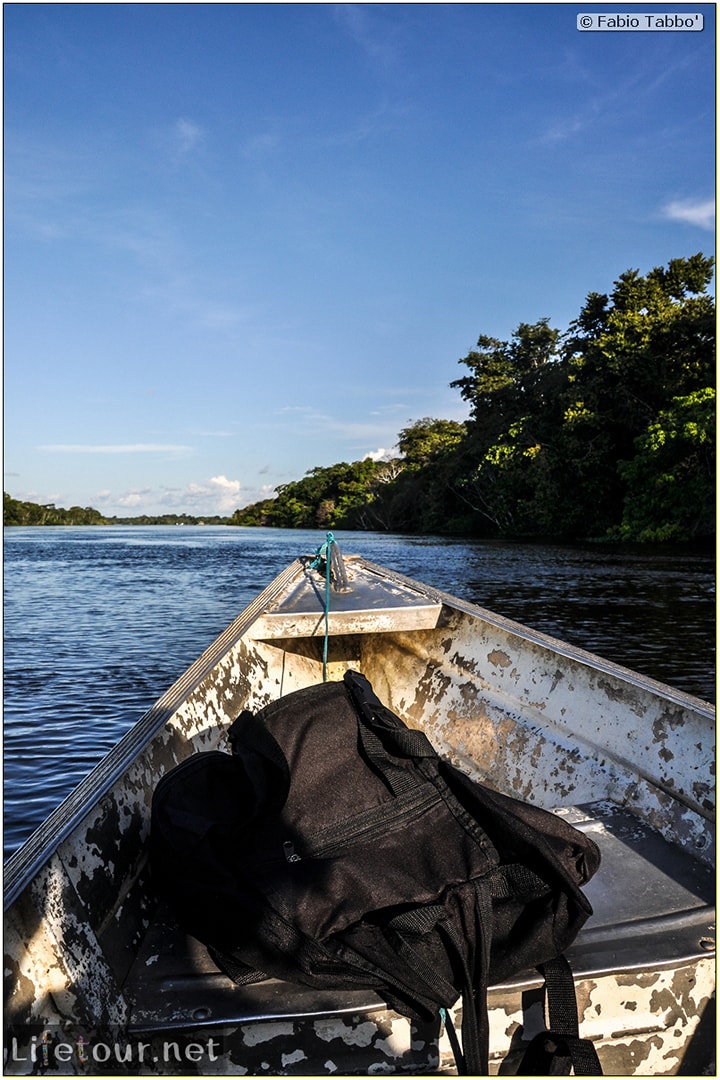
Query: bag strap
<point>554,1052</point>
<point>560,1049</point>
<point>407,741</point>
<point>475,1026</point>
<point>473,973</point>
<point>241,974</point>
<point>377,725</point>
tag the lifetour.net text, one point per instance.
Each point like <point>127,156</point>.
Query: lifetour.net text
<point>681,20</point>
<point>69,1052</point>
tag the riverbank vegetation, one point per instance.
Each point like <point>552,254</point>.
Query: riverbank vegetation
<point>16,512</point>
<point>605,430</point>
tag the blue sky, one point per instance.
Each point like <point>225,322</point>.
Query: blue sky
<point>244,240</point>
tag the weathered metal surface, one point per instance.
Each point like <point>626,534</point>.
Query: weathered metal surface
<point>639,1021</point>
<point>550,729</point>
<point>536,718</point>
<point>640,1024</point>
<point>361,609</point>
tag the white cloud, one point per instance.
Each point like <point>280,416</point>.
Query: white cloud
<point>226,491</point>
<point>119,448</point>
<point>218,495</point>
<point>131,500</point>
<point>188,135</point>
<point>306,419</point>
<point>700,212</point>
<point>368,31</point>
<point>382,454</point>
<point>225,484</point>
<point>562,130</point>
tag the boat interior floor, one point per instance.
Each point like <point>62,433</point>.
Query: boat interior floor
<point>653,909</point>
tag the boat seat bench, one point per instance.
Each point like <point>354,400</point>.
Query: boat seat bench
<point>652,910</point>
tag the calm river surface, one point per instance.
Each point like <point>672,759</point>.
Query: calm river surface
<point>99,621</point>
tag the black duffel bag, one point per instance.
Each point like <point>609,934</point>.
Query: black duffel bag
<point>334,847</point>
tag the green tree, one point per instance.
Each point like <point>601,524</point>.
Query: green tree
<point>512,391</point>
<point>427,440</point>
<point>554,416</point>
<point>603,430</point>
<point>326,497</point>
<point>671,480</point>
<point>628,355</point>
<point>508,380</point>
<point>258,513</point>
<point>418,496</point>
<point>16,512</point>
<point>650,341</point>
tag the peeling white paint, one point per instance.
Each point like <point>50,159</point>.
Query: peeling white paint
<point>394,1046</point>
<point>253,1034</point>
<point>294,1058</point>
<point>537,719</point>
<point>351,1034</point>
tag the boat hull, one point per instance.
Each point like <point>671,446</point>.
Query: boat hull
<point>623,756</point>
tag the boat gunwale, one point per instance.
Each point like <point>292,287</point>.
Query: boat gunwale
<point>43,842</point>
<point>557,645</point>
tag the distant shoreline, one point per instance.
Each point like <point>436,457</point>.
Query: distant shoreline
<point>36,515</point>
<point>18,514</point>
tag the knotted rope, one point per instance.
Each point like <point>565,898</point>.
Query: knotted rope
<point>329,553</point>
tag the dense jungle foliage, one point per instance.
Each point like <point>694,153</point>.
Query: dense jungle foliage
<point>604,431</point>
<point>16,512</point>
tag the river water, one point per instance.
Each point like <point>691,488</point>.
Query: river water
<point>99,621</point>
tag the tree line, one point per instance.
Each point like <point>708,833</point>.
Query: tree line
<point>17,512</point>
<point>605,430</point>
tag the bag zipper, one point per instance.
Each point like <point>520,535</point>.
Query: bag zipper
<point>377,821</point>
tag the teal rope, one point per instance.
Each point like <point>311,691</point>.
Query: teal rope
<point>454,1041</point>
<point>330,542</point>
<point>323,552</point>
